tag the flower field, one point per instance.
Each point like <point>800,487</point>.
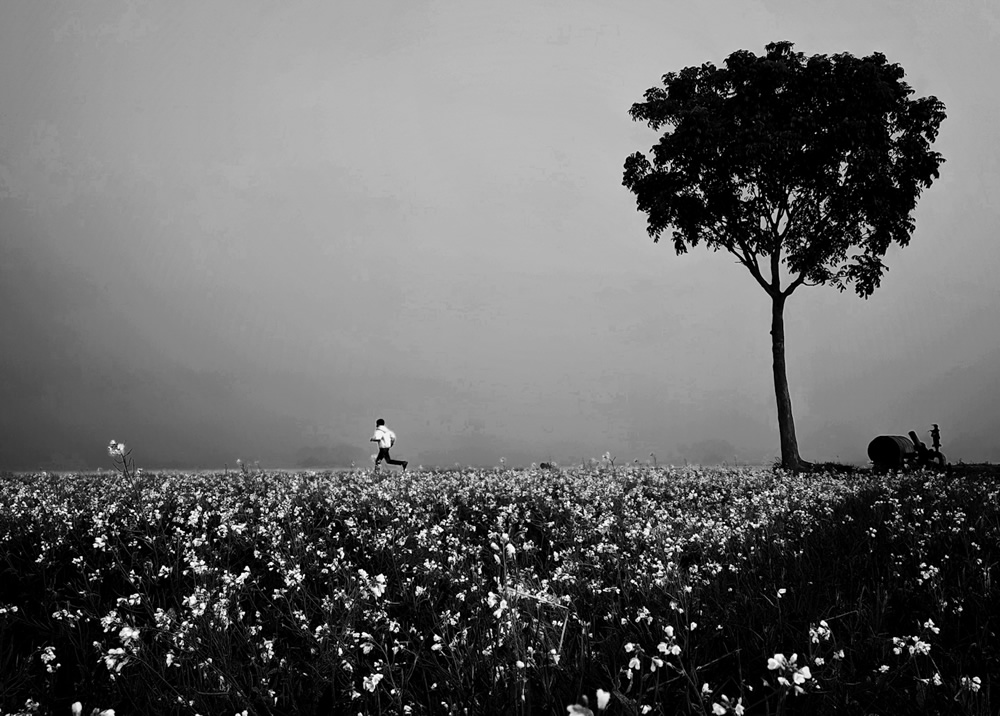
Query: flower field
<point>643,589</point>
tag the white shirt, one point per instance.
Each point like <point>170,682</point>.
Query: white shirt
<point>384,436</point>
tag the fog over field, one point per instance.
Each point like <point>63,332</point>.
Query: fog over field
<point>249,229</point>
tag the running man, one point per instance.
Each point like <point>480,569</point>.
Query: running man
<point>385,438</point>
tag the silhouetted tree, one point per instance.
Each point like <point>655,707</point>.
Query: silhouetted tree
<point>806,169</point>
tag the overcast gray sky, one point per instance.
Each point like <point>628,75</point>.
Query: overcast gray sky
<point>246,229</point>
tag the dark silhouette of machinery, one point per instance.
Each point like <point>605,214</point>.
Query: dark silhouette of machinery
<point>895,452</point>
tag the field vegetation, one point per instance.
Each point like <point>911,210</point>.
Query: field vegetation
<point>629,590</point>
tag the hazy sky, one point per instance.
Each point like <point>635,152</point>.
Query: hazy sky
<point>246,229</point>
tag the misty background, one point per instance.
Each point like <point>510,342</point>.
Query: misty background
<point>248,229</point>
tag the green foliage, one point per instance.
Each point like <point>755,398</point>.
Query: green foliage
<point>500,591</point>
<point>814,162</point>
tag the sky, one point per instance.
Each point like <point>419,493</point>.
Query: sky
<point>247,229</point>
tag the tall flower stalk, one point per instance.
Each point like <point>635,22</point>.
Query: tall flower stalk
<point>121,456</point>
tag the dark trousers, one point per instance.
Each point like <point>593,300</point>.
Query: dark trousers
<point>383,454</point>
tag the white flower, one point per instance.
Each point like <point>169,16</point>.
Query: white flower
<point>115,659</point>
<point>819,633</point>
<point>718,709</point>
<point>371,682</point>
<point>76,708</point>
<point>777,661</point>
<point>973,684</point>
<point>377,589</point>
<point>603,697</point>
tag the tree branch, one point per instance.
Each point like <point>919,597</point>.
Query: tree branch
<point>754,269</point>
<point>800,279</point>
<point>775,288</point>
<point>784,210</point>
<point>744,255</point>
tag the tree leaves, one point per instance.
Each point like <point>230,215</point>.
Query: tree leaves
<point>815,161</point>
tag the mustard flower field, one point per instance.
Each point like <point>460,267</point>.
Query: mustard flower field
<point>617,590</point>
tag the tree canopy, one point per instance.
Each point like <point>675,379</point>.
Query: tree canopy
<point>814,162</point>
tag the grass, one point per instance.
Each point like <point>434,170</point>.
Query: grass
<point>702,591</point>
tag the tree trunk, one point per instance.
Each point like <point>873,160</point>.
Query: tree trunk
<point>790,459</point>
